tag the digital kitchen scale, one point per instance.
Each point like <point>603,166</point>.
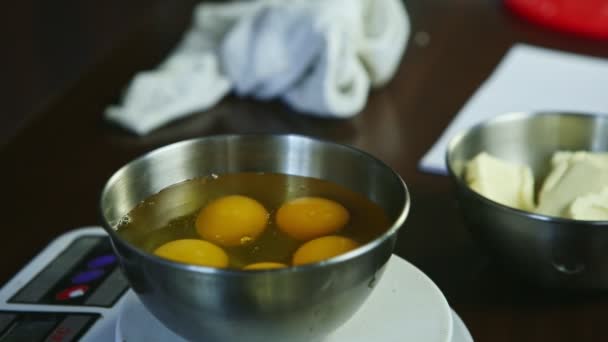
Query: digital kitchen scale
<point>74,290</point>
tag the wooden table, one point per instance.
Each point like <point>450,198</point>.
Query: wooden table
<point>64,62</point>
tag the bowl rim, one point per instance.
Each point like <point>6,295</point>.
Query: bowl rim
<point>396,224</point>
<point>507,117</point>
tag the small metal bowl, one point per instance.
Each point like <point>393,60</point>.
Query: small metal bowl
<point>550,251</point>
<point>303,303</point>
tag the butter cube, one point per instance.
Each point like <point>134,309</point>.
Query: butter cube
<point>507,183</point>
<point>574,174</point>
<point>591,206</point>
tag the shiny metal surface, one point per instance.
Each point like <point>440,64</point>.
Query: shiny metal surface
<point>301,303</point>
<point>550,251</point>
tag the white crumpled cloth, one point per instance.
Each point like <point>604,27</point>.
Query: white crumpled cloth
<point>319,56</point>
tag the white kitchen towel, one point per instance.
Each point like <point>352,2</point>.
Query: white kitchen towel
<point>529,79</point>
<point>319,56</point>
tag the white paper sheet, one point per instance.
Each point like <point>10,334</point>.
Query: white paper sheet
<point>529,78</point>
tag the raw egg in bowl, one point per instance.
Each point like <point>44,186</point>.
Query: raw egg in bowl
<point>254,237</point>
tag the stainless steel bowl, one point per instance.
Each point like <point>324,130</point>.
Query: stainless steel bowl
<point>301,303</point>
<point>550,251</point>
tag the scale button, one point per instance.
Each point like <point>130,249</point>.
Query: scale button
<point>102,261</point>
<point>87,276</point>
<point>72,292</point>
<point>70,328</point>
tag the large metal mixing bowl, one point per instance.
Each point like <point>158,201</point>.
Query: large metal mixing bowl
<point>301,303</point>
<point>550,251</point>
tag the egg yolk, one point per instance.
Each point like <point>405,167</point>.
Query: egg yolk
<point>193,251</point>
<point>264,265</point>
<point>307,218</point>
<point>322,248</point>
<point>232,220</point>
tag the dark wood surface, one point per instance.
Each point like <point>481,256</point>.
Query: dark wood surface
<point>64,61</point>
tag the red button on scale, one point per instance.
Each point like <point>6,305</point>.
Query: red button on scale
<point>60,334</point>
<point>583,17</point>
<point>72,292</point>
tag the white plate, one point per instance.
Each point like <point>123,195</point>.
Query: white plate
<point>405,306</point>
<point>460,333</point>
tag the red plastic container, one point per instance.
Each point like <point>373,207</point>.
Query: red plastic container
<point>588,18</point>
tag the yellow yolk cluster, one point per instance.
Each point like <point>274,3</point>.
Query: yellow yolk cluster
<point>237,220</point>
